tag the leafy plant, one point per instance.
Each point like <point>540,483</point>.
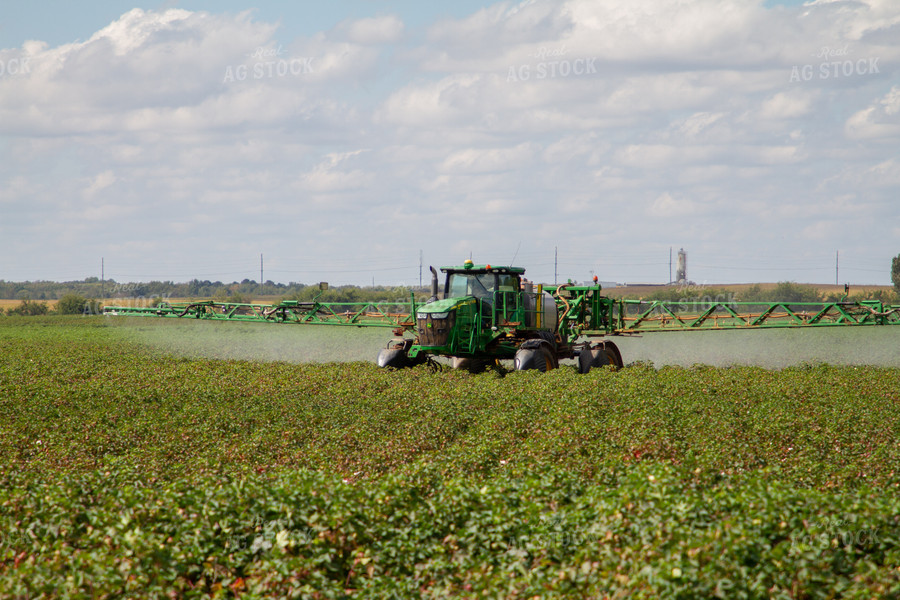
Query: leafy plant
<point>29,308</point>
<point>126,471</point>
<point>895,273</point>
<point>74,304</point>
<point>784,291</point>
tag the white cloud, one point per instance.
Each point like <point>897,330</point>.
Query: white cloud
<point>101,181</point>
<point>821,231</point>
<point>667,206</point>
<point>787,105</point>
<point>855,19</point>
<point>777,155</point>
<point>15,189</point>
<point>656,156</point>
<point>134,28</point>
<point>177,70</point>
<point>433,104</point>
<point>398,129</point>
<point>880,120</point>
<point>697,123</point>
<point>376,30</point>
<point>489,160</point>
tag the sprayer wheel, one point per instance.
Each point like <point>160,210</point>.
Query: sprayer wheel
<point>526,358</point>
<point>549,359</point>
<point>606,353</point>
<point>585,360</point>
<point>393,357</point>
<point>599,357</point>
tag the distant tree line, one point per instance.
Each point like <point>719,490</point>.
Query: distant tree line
<point>785,291</point>
<point>92,287</point>
<point>895,273</point>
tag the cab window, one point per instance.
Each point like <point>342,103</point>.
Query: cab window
<point>480,285</point>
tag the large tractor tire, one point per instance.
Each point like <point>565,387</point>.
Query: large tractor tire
<point>585,360</point>
<point>396,355</point>
<point>395,358</point>
<point>599,357</point>
<point>529,358</point>
<point>536,357</point>
<point>549,358</point>
<point>606,353</point>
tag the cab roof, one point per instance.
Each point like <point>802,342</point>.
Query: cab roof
<point>487,268</point>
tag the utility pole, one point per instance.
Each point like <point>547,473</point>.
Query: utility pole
<point>420,268</point>
<point>555,263</point>
<point>836,264</point>
<point>670,264</point>
<point>102,278</point>
<point>260,268</point>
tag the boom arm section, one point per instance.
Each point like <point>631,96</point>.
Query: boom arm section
<point>640,316</point>
<point>359,314</point>
<point>583,311</point>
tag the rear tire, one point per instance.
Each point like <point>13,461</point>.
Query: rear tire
<point>585,360</point>
<point>606,353</point>
<point>599,357</point>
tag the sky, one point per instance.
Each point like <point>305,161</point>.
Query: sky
<point>353,142</point>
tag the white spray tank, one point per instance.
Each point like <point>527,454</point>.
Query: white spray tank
<point>545,319</point>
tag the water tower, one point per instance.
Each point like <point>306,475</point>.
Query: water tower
<point>681,267</point>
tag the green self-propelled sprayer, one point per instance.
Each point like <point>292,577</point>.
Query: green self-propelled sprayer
<point>487,313</point>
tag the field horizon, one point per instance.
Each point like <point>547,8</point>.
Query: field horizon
<point>692,289</point>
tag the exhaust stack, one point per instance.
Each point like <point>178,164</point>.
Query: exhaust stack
<point>434,284</point>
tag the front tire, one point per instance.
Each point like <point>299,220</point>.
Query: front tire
<point>395,358</point>
<point>541,358</point>
<point>550,362</point>
<point>527,359</point>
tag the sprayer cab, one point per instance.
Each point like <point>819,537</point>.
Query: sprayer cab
<point>483,282</point>
<point>485,311</point>
<point>477,301</point>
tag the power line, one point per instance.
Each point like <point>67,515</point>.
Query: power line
<point>343,271</point>
<point>798,268</point>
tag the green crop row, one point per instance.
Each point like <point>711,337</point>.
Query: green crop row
<point>644,533</point>
<point>72,397</point>
<point>129,472</point>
